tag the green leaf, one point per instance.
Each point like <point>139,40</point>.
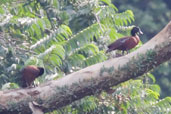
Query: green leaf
<point>152,94</point>
<point>151,77</point>
<point>1,10</point>
<point>108,2</point>
<point>36,30</point>
<point>83,37</point>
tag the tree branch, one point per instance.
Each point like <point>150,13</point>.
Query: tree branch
<point>93,79</point>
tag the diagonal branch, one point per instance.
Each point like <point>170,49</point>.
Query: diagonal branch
<point>93,79</point>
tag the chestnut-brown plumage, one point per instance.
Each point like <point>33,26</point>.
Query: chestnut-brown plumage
<point>126,43</point>
<point>30,73</point>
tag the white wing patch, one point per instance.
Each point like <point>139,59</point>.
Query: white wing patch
<point>124,40</point>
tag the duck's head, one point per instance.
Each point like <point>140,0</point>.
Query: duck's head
<point>136,31</point>
<point>41,70</point>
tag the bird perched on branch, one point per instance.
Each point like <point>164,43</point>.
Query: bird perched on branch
<point>126,43</point>
<point>30,73</point>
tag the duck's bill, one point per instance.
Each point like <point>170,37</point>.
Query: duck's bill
<point>140,32</point>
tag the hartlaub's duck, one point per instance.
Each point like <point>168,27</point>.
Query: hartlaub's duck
<point>30,73</point>
<point>126,43</point>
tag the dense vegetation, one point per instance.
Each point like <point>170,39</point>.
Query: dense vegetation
<point>151,16</point>
<point>66,36</point>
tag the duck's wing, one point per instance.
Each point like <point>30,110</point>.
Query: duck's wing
<point>118,43</point>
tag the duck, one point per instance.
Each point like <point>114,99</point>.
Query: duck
<point>29,74</point>
<point>126,43</point>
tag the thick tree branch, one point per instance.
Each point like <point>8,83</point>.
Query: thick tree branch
<point>93,79</point>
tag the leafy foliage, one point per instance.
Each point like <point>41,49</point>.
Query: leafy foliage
<point>152,16</point>
<point>65,36</point>
<point>130,97</point>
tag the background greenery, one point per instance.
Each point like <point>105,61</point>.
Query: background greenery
<point>66,36</point>
<point>151,16</point>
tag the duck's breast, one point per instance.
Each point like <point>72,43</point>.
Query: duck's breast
<point>132,42</point>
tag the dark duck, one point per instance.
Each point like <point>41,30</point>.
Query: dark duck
<point>30,73</point>
<point>126,43</point>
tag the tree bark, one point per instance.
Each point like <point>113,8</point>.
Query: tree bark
<point>90,80</point>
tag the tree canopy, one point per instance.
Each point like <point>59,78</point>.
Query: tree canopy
<point>65,37</point>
